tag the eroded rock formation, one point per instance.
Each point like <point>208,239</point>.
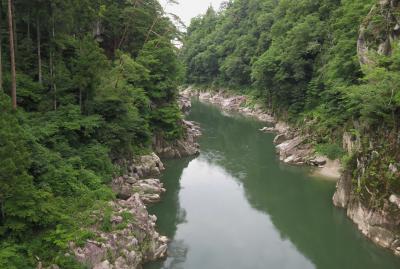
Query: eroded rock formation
<point>124,230</point>
<point>379,223</point>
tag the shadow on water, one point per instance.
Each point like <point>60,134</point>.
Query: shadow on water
<point>299,207</point>
<point>169,212</point>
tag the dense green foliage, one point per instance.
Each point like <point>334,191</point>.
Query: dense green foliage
<point>96,80</point>
<point>300,58</point>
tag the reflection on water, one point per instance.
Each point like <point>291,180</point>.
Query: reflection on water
<point>237,206</point>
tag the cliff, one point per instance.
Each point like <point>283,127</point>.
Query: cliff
<point>368,188</point>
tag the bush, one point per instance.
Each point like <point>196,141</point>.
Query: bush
<point>332,151</point>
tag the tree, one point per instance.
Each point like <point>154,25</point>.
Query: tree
<point>12,55</point>
<point>87,103</point>
<point>1,46</point>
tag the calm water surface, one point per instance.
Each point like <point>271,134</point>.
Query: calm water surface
<point>237,206</point>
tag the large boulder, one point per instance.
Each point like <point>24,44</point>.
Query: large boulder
<point>319,161</point>
<point>184,147</point>
<point>280,138</point>
<point>141,167</point>
<point>150,190</point>
<point>395,199</point>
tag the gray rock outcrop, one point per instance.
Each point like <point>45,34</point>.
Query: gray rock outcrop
<point>236,103</point>
<point>381,225</point>
<point>378,225</point>
<point>187,146</point>
<point>129,243</point>
<point>126,236</point>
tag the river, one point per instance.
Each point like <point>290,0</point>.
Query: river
<point>237,207</point>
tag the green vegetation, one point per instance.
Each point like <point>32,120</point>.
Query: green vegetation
<point>86,84</point>
<point>300,58</point>
<point>95,81</point>
<point>332,151</point>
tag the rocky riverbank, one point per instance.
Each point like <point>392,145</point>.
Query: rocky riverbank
<point>124,231</point>
<point>230,102</point>
<point>291,145</point>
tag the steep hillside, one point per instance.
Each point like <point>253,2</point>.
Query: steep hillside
<point>86,87</point>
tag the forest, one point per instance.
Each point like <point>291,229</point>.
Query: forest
<point>306,61</point>
<point>87,84</point>
<point>84,84</point>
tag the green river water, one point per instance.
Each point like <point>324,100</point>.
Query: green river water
<point>237,207</point>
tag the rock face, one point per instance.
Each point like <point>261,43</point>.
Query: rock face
<point>379,37</point>
<point>187,146</point>
<point>381,225</point>
<point>129,243</point>
<point>146,166</point>
<point>185,103</point>
<point>378,225</point>
<point>126,235</point>
<point>343,191</point>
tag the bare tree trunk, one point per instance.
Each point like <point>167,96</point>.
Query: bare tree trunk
<point>53,72</point>
<point>151,29</point>
<point>12,56</point>
<point>29,27</point>
<point>52,83</point>
<point>80,86</point>
<point>1,47</point>
<point>14,28</point>
<point>80,99</point>
<point>39,50</point>
<point>3,214</point>
<point>124,35</point>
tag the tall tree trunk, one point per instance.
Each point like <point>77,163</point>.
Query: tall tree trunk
<point>80,100</point>
<point>124,35</point>
<point>3,214</point>
<point>151,29</point>
<point>52,78</point>
<point>29,27</point>
<point>14,27</point>
<point>1,46</point>
<point>53,70</point>
<point>80,86</point>
<point>39,50</point>
<point>12,56</point>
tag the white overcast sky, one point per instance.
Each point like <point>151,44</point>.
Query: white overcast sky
<point>188,9</point>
